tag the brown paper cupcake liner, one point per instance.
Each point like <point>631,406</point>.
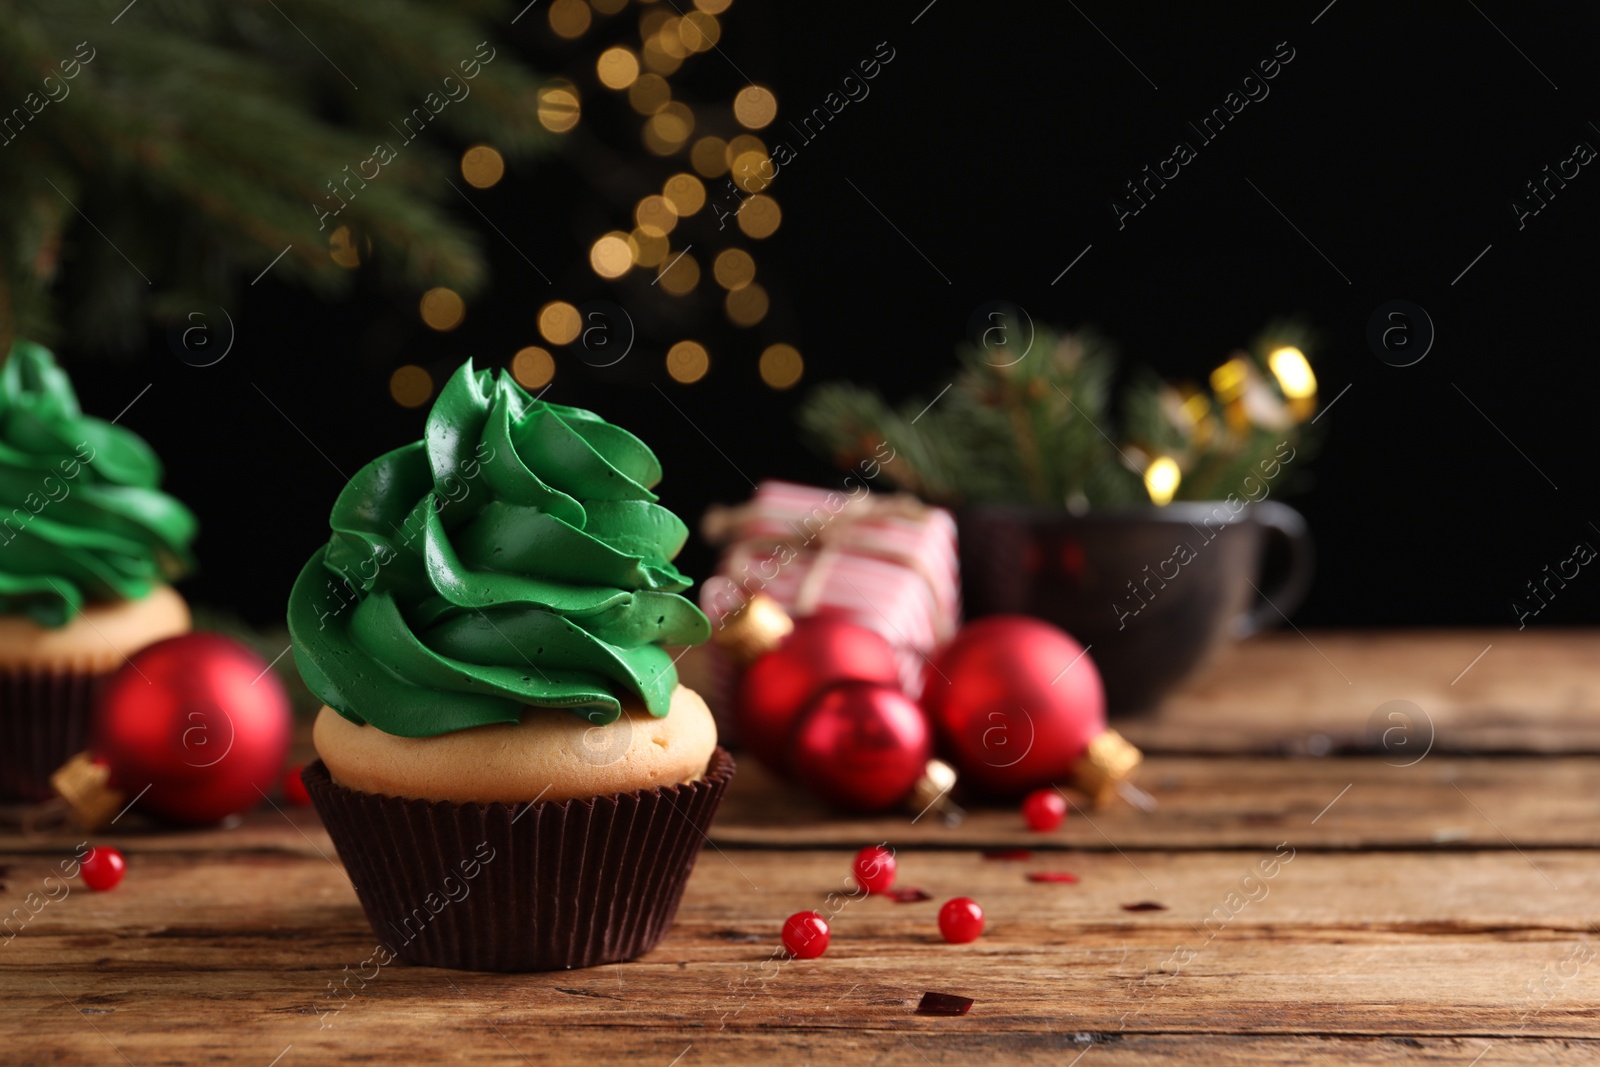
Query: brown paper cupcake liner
<point>45,718</point>
<point>532,887</point>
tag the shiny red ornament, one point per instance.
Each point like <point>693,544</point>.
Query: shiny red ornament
<point>777,686</point>
<point>874,869</point>
<point>861,746</point>
<point>198,719</point>
<point>294,787</point>
<point>960,920</point>
<point>102,868</point>
<point>806,935</point>
<point>1015,702</point>
<point>1044,809</point>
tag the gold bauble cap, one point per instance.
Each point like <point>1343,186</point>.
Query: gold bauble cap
<point>1104,766</point>
<point>760,626</point>
<point>86,788</point>
<point>932,791</point>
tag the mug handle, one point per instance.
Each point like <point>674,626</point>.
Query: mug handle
<point>1284,524</point>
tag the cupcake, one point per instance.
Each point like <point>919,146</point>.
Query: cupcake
<point>87,545</point>
<point>508,766</point>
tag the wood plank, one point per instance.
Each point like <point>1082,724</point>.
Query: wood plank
<point>1532,691</point>
<point>1226,802</point>
<point>227,957</point>
<point>1205,803</point>
<point>475,1041</point>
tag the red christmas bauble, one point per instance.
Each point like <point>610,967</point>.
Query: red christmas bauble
<point>1015,702</point>
<point>861,746</point>
<point>822,649</point>
<point>199,719</point>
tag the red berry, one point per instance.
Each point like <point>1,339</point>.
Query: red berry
<point>961,920</point>
<point>294,789</point>
<point>1044,809</point>
<point>805,935</point>
<point>875,869</point>
<point>102,868</point>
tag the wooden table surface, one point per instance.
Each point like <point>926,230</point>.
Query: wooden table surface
<point>1432,901</point>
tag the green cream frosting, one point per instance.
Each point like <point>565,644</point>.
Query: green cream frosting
<point>514,557</point>
<point>81,517</point>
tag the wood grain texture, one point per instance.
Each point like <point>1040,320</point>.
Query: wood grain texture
<point>1534,690</point>
<point>1217,802</point>
<point>228,958</point>
<point>1314,910</point>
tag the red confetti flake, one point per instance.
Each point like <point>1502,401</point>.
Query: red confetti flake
<point>1144,905</point>
<point>943,1004</point>
<point>1053,876</point>
<point>1008,854</point>
<point>908,895</point>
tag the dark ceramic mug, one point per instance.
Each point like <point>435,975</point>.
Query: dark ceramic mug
<point>1153,590</point>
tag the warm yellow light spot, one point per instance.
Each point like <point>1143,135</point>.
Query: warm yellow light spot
<point>618,68</point>
<point>713,7</point>
<point>611,7</point>
<point>687,362</point>
<point>1196,407</point>
<point>746,306</point>
<point>569,18</point>
<point>1294,375</point>
<point>1228,380</point>
<point>649,94</point>
<point>734,269</point>
<point>755,107</point>
<point>781,366</point>
<point>558,108</point>
<point>660,132</point>
<point>533,367</point>
<point>669,38</point>
<point>611,257</point>
<point>655,216</point>
<point>342,249</point>
<point>753,172</point>
<point>649,249</point>
<point>699,31</point>
<point>709,156</point>
<point>1161,480</point>
<point>760,217</point>
<point>659,58</point>
<point>559,322</point>
<point>744,142</point>
<point>684,193</point>
<point>650,22</point>
<point>442,309</point>
<point>411,386</point>
<point>679,274</point>
<point>673,122</point>
<point>482,166</point>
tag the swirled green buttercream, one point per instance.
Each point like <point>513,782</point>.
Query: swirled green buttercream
<point>515,556</point>
<point>81,517</point>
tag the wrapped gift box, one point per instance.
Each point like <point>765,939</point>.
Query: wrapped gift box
<point>885,561</point>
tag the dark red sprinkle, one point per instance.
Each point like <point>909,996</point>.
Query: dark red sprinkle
<point>1144,905</point>
<point>1052,876</point>
<point>943,1004</point>
<point>909,895</point>
<point>1008,854</point>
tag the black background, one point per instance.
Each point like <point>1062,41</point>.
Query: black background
<point>995,140</point>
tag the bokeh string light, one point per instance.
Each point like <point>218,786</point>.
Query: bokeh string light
<point>714,198</point>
